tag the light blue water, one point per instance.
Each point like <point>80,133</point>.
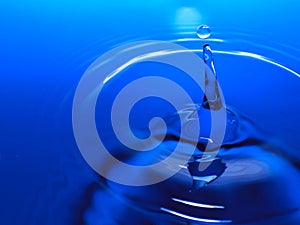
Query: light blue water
<point>45,47</point>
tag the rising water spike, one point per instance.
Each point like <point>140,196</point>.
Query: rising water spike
<point>211,100</point>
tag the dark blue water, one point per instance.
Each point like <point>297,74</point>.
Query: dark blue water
<point>46,46</point>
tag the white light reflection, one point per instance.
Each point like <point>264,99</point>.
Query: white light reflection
<point>197,219</point>
<point>162,53</point>
<point>187,18</point>
<point>200,205</point>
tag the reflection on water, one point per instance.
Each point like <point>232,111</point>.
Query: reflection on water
<point>252,180</point>
<point>248,183</point>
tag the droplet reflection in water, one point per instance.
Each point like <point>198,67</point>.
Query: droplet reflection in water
<point>203,31</point>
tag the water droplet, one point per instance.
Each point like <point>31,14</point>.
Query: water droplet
<point>203,31</point>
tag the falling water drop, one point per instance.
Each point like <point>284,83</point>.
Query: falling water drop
<point>203,31</point>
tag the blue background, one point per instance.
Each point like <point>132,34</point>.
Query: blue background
<point>45,47</point>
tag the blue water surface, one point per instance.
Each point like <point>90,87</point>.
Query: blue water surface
<point>46,46</point>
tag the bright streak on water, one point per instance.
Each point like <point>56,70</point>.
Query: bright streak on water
<point>200,205</point>
<point>196,219</point>
<point>162,53</point>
